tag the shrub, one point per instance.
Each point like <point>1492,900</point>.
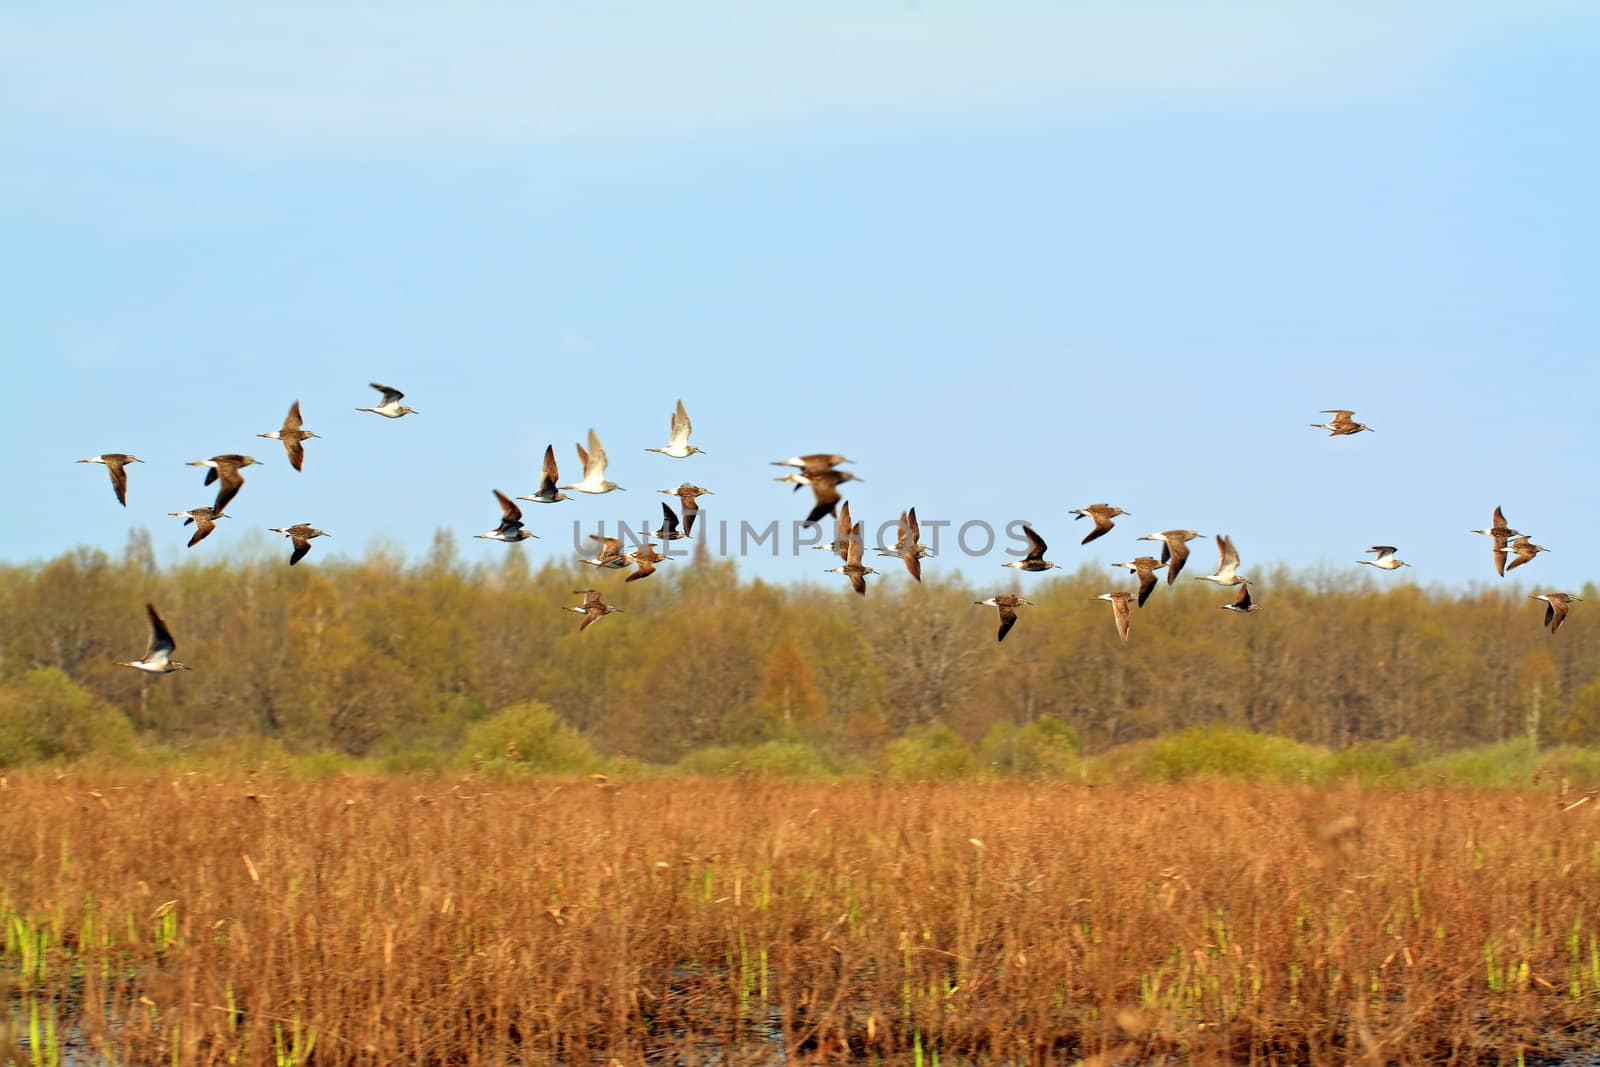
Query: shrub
<point>1227,752</point>
<point>45,715</point>
<point>772,759</point>
<point>1046,747</point>
<point>528,738</point>
<point>927,752</point>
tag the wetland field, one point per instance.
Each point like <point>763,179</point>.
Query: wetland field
<point>252,920</point>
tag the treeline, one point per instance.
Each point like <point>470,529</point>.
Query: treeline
<point>381,657</point>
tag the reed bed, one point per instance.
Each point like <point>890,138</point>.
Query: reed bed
<point>247,921</point>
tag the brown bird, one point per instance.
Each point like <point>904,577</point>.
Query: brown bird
<point>1525,550</point>
<point>824,487</point>
<point>390,407</point>
<point>1145,568</point>
<point>547,492</point>
<point>644,559</point>
<point>669,525</point>
<point>204,522</point>
<point>1228,564</point>
<point>1341,424</point>
<point>852,567</point>
<point>1555,607</point>
<point>1385,560</point>
<point>816,461</point>
<point>840,545</point>
<point>1034,560</point>
<point>300,534</point>
<point>906,545</point>
<point>292,436</point>
<point>1241,603</point>
<point>158,655</point>
<point>593,608</point>
<point>1119,610</point>
<point>225,467</point>
<point>611,556</point>
<point>1499,533</point>
<point>1102,514</point>
<point>510,528</point>
<point>1174,549</point>
<point>678,445</point>
<point>688,496</point>
<point>1007,604</point>
<point>116,465</point>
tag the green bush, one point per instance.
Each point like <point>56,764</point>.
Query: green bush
<point>1227,752</point>
<point>771,759</point>
<point>528,738</point>
<point>1372,762</point>
<point>45,715</point>
<point>1046,747</point>
<point>1507,763</point>
<point>927,752</point>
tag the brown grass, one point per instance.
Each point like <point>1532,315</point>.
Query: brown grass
<point>223,921</point>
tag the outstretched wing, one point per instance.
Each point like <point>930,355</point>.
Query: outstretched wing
<point>391,395</point>
<point>161,643</point>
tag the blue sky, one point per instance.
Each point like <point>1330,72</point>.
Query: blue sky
<point>1013,259</point>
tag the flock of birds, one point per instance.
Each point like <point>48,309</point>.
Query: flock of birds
<point>819,472</point>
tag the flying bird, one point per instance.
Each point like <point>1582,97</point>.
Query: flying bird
<point>644,560</point>
<point>842,526</point>
<point>1174,549</point>
<point>547,492</point>
<point>669,525</point>
<point>610,556</point>
<point>226,468</point>
<point>1499,534</point>
<point>852,567</point>
<point>1385,560</point>
<point>390,407</point>
<point>1034,560</point>
<point>1555,607</point>
<point>824,485</point>
<point>1102,514</point>
<point>1341,424</point>
<point>158,657</point>
<point>1007,605</point>
<point>292,436</point>
<point>1241,603</point>
<point>816,461</point>
<point>678,446</point>
<point>510,528</point>
<point>1524,550</point>
<point>593,462</point>
<point>300,534</point>
<point>906,545</point>
<point>116,464</point>
<point>1226,567</point>
<point>688,496</point>
<point>593,608</point>
<point>1145,567</point>
<point>204,520</point>
<point>1119,610</point>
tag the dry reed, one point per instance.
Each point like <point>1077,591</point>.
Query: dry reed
<point>214,920</point>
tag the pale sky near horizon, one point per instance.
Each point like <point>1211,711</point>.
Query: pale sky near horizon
<point>1012,259</point>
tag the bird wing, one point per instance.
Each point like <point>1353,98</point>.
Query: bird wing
<point>1242,601</point>
<point>1550,611</point>
<point>669,521</point>
<point>1178,552</point>
<point>1500,557</point>
<point>292,421</point>
<point>549,472</point>
<point>296,451</point>
<point>858,582</point>
<point>161,643</point>
<point>1339,414</point>
<point>681,427</point>
<point>391,395</point>
<point>592,611</point>
<point>119,481</point>
<point>1384,551</point>
<point>690,512</point>
<point>1229,554</point>
<point>583,460</point>
<point>509,512</point>
<point>854,545</point>
<point>597,458</point>
<point>644,568</point>
<point>916,527</point>
<point>827,493</point>
<point>302,545</point>
<point>1102,524</point>
<point>1147,583</point>
<point>913,562</point>
<point>1499,522</point>
<point>1008,619</point>
<point>1119,611</point>
<point>1036,545</point>
<point>232,480</point>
